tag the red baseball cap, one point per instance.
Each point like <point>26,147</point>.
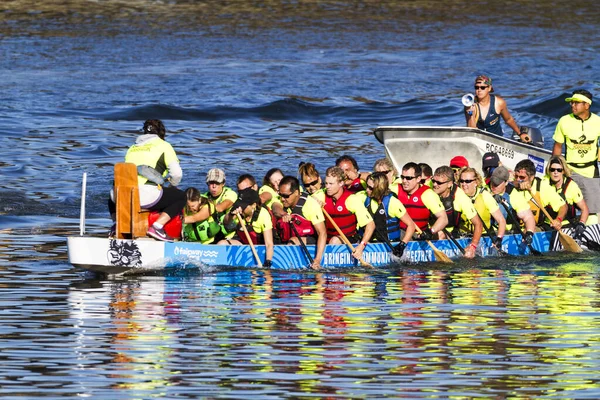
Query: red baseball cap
<point>459,162</point>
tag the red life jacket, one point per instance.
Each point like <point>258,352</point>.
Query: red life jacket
<point>414,206</point>
<point>345,219</point>
<point>302,225</point>
<point>357,185</point>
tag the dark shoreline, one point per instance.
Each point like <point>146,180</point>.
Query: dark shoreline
<point>109,17</point>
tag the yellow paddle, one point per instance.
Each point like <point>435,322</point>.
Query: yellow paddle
<point>439,255</point>
<point>568,243</point>
<point>345,239</point>
<point>243,223</point>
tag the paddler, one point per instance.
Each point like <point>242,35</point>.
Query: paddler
<point>387,212</point>
<point>422,204</point>
<point>355,181</point>
<point>221,199</point>
<point>257,220</point>
<point>518,207</point>
<point>486,206</point>
<point>307,216</point>
<point>526,182</point>
<point>457,205</point>
<point>347,211</point>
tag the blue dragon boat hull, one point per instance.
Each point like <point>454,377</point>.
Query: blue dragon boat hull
<point>117,256</point>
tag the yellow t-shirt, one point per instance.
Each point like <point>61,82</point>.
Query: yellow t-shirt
<point>274,196</point>
<point>312,211</point>
<point>395,207</point>
<point>355,203</point>
<point>548,196</point>
<point>485,205</point>
<point>432,201</point>
<point>263,222</point>
<point>581,142</point>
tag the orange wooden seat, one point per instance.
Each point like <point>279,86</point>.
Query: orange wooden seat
<point>132,220</point>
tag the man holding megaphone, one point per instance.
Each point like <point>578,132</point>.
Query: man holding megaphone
<point>483,110</point>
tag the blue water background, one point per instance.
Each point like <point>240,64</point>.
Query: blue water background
<point>247,90</point>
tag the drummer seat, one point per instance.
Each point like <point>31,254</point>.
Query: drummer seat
<point>132,220</point>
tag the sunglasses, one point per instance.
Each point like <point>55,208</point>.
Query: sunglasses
<point>370,187</point>
<point>481,87</point>
<point>285,195</point>
<point>521,177</point>
<point>555,169</point>
<point>387,171</point>
<point>438,182</point>
<point>313,183</point>
<point>408,178</point>
<point>466,180</point>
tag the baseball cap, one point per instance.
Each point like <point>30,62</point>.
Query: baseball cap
<point>459,162</point>
<point>490,160</point>
<point>245,198</point>
<point>215,175</point>
<point>499,175</point>
<point>579,97</point>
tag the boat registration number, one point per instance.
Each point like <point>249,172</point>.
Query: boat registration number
<point>502,151</point>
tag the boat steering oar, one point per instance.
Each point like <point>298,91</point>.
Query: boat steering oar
<point>439,255</point>
<point>304,248</point>
<point>453,240</point>
<point>517,226</point>
<point>243,223</point>
<point>345,239</point>
<point>568,243</point>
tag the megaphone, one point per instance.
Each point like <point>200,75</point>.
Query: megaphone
<point>468,100</point>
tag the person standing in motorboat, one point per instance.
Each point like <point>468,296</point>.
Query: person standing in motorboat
<point>579,132</point>
<point>487,109</point>
<point>154,158</point>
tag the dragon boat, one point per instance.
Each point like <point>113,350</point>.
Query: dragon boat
<point>131,252</point>
<point>143,255</point>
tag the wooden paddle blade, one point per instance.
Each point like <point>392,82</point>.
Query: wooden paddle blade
<point>440,255</point>
<point>568,243</point>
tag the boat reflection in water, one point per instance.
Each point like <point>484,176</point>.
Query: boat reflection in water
<point>408,333</point>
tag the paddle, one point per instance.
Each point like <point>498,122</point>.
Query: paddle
<point>453,240</point>
<point>243,223</point>
<point>568,243</point>
<point>516,224</point>
<point>439,255</point>
<point>345,239</point>
<point>304,248</point>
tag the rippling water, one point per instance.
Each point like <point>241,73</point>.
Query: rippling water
<point>247,86</point>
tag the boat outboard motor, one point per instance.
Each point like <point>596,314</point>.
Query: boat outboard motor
<point>537,139</point>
